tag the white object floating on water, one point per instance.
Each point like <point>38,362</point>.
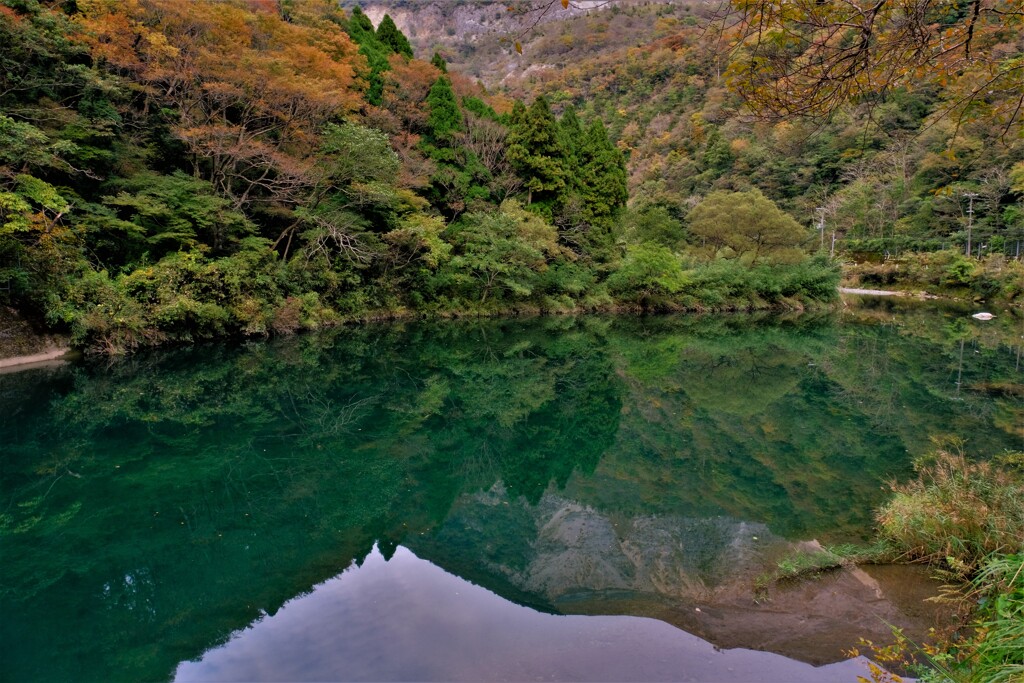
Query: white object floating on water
<point>982,316</point>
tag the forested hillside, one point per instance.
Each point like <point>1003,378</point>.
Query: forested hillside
<point>891,172</point>
<point>175,171</point>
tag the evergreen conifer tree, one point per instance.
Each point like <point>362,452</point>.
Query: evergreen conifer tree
<point>570,201</point>
<point>445,118</point>
<point>518,115</point>
<point>360,29</point>
<point>572,139</point>
<point>596,188</point>
<point>359,25</point>
<point>536,152</point>
<point>460,178</point>
<point>476,106</point>
<point>439,62</point>
<point>602,177</point>
<point>718,157</point>
<point>389,36</point>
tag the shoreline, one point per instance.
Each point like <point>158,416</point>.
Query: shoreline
<point>56,355</point>
<point>786,306</point>
<point>884,292</point>
<point>50,358</point>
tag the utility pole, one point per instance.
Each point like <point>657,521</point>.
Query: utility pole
<point>970,217</point>
<point>960,369</point>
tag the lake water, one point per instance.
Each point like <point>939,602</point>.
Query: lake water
<point>559,499</point>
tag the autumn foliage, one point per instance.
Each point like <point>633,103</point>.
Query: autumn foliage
<point>176,171</point>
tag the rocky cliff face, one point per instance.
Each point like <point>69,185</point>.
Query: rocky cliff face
<point>566,549</point>
<point>477,36</point>
<point>433,23</point>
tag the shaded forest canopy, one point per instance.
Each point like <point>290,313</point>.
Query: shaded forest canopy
<point>176,171</point>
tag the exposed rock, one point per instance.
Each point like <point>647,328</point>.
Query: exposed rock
<point>427,23</point>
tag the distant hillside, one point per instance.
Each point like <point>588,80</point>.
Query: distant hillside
<point>477,37</point>
<point>888,174</point>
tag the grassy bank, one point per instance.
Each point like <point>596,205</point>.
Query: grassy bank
<point>966,518</point>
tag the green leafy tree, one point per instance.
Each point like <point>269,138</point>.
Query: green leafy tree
<point>747,226</point>
<point>500,254</point>
<point>166,213</point>
<point>655,225</point>
<point>29,204</point>
<point>648,276</point>
<point>718,158</point>
<point>354,196</point>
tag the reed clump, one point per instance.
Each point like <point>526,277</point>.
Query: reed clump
<point>957,512</point>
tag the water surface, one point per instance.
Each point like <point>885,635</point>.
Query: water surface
<point>168,505</point>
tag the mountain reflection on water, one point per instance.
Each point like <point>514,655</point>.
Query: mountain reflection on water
<point>452,630</point>
<point>155,506</point>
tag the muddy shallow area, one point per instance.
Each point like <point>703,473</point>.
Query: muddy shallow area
<point>814,620</point>
<point>817,619</point>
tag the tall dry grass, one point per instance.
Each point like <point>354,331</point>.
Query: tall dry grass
<point>957,512</point>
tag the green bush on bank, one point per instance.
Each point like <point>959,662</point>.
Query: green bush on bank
<point>184,297</point>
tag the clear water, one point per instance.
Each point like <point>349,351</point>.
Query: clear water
<point>158,512</point>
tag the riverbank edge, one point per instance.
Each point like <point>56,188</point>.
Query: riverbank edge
<point>41,359</point>
<point>945,275</point>
<point>526,311</point>
<point>25,341</point>
<point>925,295</point>
<point>889,292</point>
<point>927,522</point>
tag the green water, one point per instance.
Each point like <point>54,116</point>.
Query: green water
<point>155,505</point>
